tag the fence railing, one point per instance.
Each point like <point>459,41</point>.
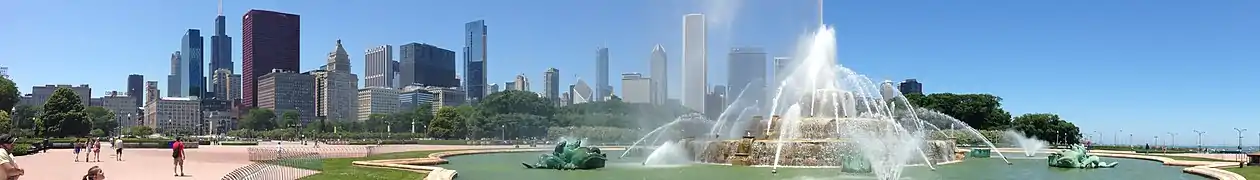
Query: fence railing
<point>282,163</point>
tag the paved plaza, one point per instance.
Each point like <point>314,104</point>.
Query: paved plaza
<point>204,163</point>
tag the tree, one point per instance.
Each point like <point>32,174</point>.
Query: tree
<point>981,111</point>
<point>1047,127</point>
<point>63,115</point>
<point>422,114</point>
<point>291,119</point>
<point>522,102</point>
<point>259,120</point>
<point>25,116</point>
<point>446,124</point>
<point>9,95</point>
<point>101,118</point>
<point>516,125</point>
<point>6,122</point>
<point>139,131</point>
<point>97,133</point>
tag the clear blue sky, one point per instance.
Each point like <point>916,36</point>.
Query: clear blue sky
<point>1146,67</point>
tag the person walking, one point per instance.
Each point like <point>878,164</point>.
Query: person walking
<point>77,147</point>
<point>118,149</point>
<point>47,145</point>
<point>9,168</point>
<point>177,152</point>
<point>96,149</point>
<point>94,173</point>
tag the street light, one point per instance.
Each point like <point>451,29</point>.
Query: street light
<point>1200,139</point>
<point>1115,138</point>
<point>1172,141</point>
<point>1100,137</point>
<point>1131,140</point>
<point>1240,137</point>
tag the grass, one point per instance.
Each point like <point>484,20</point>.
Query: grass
<point>342,169</point>
<point>1249,172</point>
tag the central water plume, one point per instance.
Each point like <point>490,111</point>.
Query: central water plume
<point>1030,145</point>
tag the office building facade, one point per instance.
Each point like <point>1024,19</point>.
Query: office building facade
<point>426,65</point>
<point>378,100</point>
<point>746,74</point>
<point>910,86</point>
<point>135,89</point>
<point>475,68</point>
<point>287,91</point>
<point>551,85</point>
<point>192,76</point>
<point>602,89</point>
<point>269,40</point>
<point>379,71</point>
<point>694,67</point>
<point>635,88</point>
<point>659,75</point>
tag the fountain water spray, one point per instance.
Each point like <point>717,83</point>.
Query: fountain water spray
<point>1030,145</point>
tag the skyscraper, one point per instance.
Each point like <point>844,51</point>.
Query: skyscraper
<point>135,88</point>
<point>910,86</point>
<point>475,60</point>
<point>336,88</point>
<point>780,69</point>
<point>220,52</point>
<point>193,76</point>
<point>426,64</point>
<point>270,40</point>
<point>551,85</point>
<point>635,88</point>
<point>695,68</point>
<point>4,72</point>
<point>746,76</point>
<point>521,82</point>
<point>173,81</point>
<point>379,70</point>
<point>660,75</point>
<point>602,89</point>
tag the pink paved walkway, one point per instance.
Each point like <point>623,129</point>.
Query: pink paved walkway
<point>207,163</point>
<point>204,163</point>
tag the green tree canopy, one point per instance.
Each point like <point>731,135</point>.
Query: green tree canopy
<point>981,111</point>
<point>446,124</point>
<point>259,120</point>
<point>1047,127</point>
<point>25,116</point>
<point>521,102</point>
<point>63,115</point>
<point>290,119</point>
<point>139,131</point>
<point>6,122</point>
<point>101,118</point>
<point>9,95</point>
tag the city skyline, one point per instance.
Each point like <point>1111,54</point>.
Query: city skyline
<point>946,54</point>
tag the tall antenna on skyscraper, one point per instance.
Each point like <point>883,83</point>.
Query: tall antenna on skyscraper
<point>220,7</point>
<point>820,12</point>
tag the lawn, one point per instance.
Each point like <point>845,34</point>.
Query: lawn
<point>342,169</point>
<point>1249,172</point>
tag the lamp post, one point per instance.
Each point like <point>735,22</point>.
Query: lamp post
<point>1131,140</point>
<point>1115,138</point>
<point>502,132</point>
<point>1100,137</point>
<point>1240,137</point>
<point>1172,140</point>
<point>1199,140</point>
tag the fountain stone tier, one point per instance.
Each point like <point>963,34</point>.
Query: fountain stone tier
<point>816,145</point>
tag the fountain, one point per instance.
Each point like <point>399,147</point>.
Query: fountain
<point>820,115</point>
<point>1077,157</point>
<point>570,155</point>
<point>1030,145</point>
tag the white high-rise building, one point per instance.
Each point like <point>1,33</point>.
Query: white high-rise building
<point>659,75</point>
<point>336,88</point>
<point>635,88</point>
<point>582,92</point>
<point>695,68</point>
<point>124,109</point>
<point>378,100</point>
<point>379,71</point>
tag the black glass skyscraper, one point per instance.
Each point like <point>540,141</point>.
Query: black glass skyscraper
<point>475,60</point>
<point>220,50</point>
<point>426,64</point>
<point>193,73</point>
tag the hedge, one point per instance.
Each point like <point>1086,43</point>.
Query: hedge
<point>238,143</point>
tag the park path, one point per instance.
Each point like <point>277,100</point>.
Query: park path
<point>202,163</point>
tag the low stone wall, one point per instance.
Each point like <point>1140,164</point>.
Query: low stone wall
<point>427,164</point>
<point>1210,169</point>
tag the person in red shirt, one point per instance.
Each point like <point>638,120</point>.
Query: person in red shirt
<point>177,152</point>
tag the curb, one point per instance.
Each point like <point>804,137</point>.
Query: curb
<point>428,164</point>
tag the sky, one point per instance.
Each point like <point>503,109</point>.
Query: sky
<point>1146,68</point>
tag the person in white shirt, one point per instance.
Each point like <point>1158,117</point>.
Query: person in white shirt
<point>118,148</point>
<point>9,169</point>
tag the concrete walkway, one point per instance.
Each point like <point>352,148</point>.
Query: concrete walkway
<point>208,163</point>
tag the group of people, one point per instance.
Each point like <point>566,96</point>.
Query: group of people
<point>9,169</point>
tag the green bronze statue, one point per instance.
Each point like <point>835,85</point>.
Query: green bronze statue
<point>568,156</point>
<point>1077,157</point>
